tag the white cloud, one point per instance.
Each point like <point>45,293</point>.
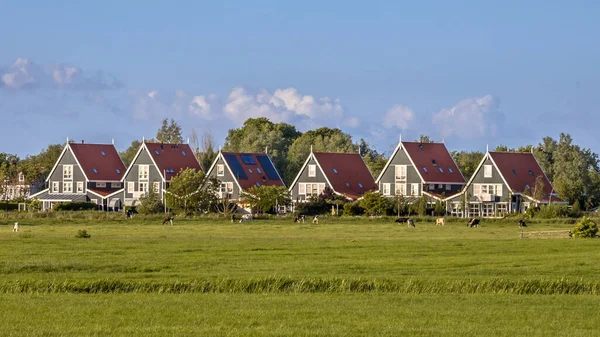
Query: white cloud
<point>471,118</point>
<point>398,116</point>
<point>26,74</point>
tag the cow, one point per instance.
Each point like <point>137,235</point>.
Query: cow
<point>522,223</point>
<point>440,221</point>
<point>246,217</point>
<point>473,222</point>
<point>316,220</point>
<point>401,220</point>
<point>167,220</point>
<point>300,218</point>
<point>16,227</point>
<point>410,223</point>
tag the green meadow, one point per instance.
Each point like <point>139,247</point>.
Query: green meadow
<point>342,277</point>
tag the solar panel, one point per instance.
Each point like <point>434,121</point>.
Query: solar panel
<point>268,167</point>
<point>248,159</point>
<point>235,166</point>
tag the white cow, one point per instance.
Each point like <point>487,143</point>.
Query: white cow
<point>16,227</point>
<point>246,217</point>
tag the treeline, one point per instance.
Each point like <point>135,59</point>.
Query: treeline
<point>573,170</point>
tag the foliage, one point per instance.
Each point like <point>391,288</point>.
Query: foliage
<point>314,206</point>
<point>419,206</point>
<point>401,206</point>
<point>191,191</point>
<point>150,203</point>
<point>82,234</point>
<point>552,211</point>
<point>258,135</point>
<point>74,206</point>
<point>353,209</point>
<point>204,149</point>
<point>128,155</point>
<point>267,197</point>
<point>375,161</point>
<point>37,167</point>
<point>439,208</point>
<point>34,205</point>
<point>169,132</point>
<point>374,203</point>
<point>585,228</point>
<point>467,161</point>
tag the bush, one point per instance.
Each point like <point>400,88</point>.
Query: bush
<point>315,206</point>
<point>150,203</point>
<point>75,206</point>
<point>585,228</point>
<point>353,209</point>
<point>82,234</point>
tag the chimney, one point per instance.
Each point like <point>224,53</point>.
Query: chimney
<point>82,142</point>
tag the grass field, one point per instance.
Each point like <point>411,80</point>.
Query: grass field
<point>341,277</point>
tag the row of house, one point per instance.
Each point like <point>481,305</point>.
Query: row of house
<point>504,182</point>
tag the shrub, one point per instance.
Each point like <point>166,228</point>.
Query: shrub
<point>82,234</point>
<point>585,228</point>
<point>314,206</point>
<point>552,211</point>
<point>353,208</point>
<point>150,203</point>
<point>75,206</point>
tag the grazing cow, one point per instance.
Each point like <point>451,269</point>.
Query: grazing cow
<point>473,222</point>
<point>410,223</point>
<point>316,220</point>
<point>232,218</point>
<point>300,218</point>
<point>440,221</point>
<point>167,220</point>
<point>246,217</point>
<point>401,220</point>
<point>16,227</point>
<point>522,223</point>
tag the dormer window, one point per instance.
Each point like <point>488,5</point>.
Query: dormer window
<point>433,162</point>
<point>118,171</point>
<point>257,184</point>
<point>156,152</point>
<point>183,153</point>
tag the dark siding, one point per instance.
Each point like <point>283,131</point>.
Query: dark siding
<point>389,175</point>
<point>304,178</point>
<point>57,175</point>
<point>226,178</point>
<point>132,175</point>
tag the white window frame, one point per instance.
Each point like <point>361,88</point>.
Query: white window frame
<point>94,201</point>
<point>487,171</point>
<point>400,189</point>
<point>131,186</point>
<point>100,185</point>
<point>220,170</point>
<point>226,187</point>
<point>312,189</point>
<point>67,187</point>
<point>400,172</point>
<point>156,186</point>
<point>312,170</point>
<point>67,172</point>
<point>115,185</point>
<point>301,189</point>
<point>414,190</point>
<point>80,187</point>
<point>448,187</point>
<point>387,189</point>
<point>21,177</point>
<point>55,187</point>
<point>143,172</point>
<point>143,187</point>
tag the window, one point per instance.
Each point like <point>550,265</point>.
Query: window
<point>67,171</point>
<point>55,187</point>
<point>257,184</point>
<point>80,187</point>
<point>487,171</point>
<point>103,153</point>
<point>440,186</point>
<point>143,171</point>
<point>310,189</point>
<point>226,187</point>
<point>530,172</point>
<point>100,185</point>
<point>360,185</point>
<point>312,170</point>
<point>386,189</point>
<point>183,153</point>
<point>220,170</point>
<point>156,152</point>
<point>258,170</point>
<point>95,171</point>
<point>400,189</point>
<point>425,169</point>
<point>156,186</point>
<point>431,187</point>
<point>493,189</point>
<point>67,187</point>
<point>302,189</point>
<point>21,178</point>
<point>335,170</point>
<point>433,162</point>
<point>401,172</point>
<point>441,169</point>
<point>94,201</point>
<point>448,187</point>
<point>414,189</point>
<point>115,185</point>
<point>250,170</point>
<point>118,171</point>
<point>450,170</point>
<point>514,171</point>
<point>143,187</point>
<point>130,186</point>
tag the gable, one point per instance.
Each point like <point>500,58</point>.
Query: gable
<point>433,162</point>
<point>399,157</point>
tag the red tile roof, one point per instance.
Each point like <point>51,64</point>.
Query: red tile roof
<point>268,176</point>
<point>526,170</point>
<point>104,191</point>
<point>172,158</point>
<point>351,171</point>
<point>99,162</point>
<point>424,155</point>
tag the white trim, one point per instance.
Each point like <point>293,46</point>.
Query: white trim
<point>432,196</point>
<point>115,192</point>
<point>133,161</point>
<point>509,188</point>
<point>301,170</point>
<point>94,193</point>
<point>389,162</point>
<point>541,169</point>
<point>220,155</point>
<point>312,155</point>
<point>38,193</point>
<point>312,170</point>
<point>415,166</point>
<point>58,160</point>
<point>82,184</point>
<point>70,166</point>
<point>219,166</point>
<point>276,171</point>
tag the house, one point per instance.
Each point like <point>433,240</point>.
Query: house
<point>238,172</point>
<point>416,169</point>
<point>504,182</point>
<point>153,166</point>
<point>18,188</point>
<point>345,173</point>
<point>85,173</point>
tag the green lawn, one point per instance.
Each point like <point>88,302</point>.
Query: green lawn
<point>278,278</point>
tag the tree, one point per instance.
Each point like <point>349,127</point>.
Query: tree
<point>266,198</point>
<point>467,162</point>
<point>150,203</point>
<point>374,203</point>
<point>205,150</point>
<point>374,160</point>
<point>37,167</point>
<point>190,191</point>
<point>570,169</point>
<point>260,134</point>
<point>169,132</point>
<point>425,139</point>
<point>128,155</point>
<point>538,188</point>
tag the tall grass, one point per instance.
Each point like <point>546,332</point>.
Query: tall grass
<point>272,285</point>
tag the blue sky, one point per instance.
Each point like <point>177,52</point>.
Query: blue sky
<point>471,72</point>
